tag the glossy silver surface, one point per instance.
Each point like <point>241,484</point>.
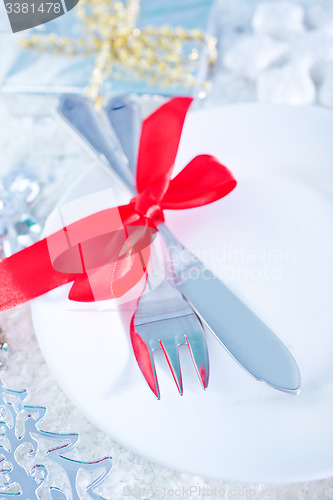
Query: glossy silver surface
<point>96,135</point>
<point>164,319</point>
<point>125,117</point>
<point>251,343</point>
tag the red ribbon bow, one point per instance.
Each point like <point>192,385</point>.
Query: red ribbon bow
<point>106,253</point>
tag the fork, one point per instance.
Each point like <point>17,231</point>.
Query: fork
<point>164,319</point>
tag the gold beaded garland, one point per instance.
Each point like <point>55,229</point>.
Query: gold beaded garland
<point>162,54</point>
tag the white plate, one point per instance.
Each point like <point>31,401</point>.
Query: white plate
<point>272,240</point>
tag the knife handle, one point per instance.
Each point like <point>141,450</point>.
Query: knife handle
<point>125,117</point>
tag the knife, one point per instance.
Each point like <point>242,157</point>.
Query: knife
<point>248,340</point>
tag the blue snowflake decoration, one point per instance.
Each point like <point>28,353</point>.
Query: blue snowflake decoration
<point>20,475</point>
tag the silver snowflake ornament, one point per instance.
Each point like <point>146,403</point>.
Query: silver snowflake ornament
<point>24,469</point>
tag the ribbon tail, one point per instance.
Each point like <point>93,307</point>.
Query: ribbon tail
<point>81,290</point>
<point>28,274</point>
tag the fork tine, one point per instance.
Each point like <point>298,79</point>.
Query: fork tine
<point>170,349</point>
<point>198,349</point>
<point>144,357</point>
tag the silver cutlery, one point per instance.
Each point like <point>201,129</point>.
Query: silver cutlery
<point>164,319</point>
<point>249,341</point>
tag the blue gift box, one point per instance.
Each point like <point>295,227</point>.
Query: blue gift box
<point>43,72</point>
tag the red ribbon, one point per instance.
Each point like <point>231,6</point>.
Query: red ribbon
<point>106,253</point>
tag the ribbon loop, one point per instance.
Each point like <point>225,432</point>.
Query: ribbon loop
<point>202,181</point>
